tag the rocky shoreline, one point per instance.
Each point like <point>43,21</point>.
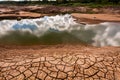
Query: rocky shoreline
<point>26,12</point>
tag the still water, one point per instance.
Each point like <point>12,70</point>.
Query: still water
<point>59,29</point>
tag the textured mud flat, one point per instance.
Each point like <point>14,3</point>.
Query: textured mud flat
<point>61,62</point>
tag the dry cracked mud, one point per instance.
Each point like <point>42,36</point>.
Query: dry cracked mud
<point>60,63</point>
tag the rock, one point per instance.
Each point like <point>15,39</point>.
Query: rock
<point>96,10</point>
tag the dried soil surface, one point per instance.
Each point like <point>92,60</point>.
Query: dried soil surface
<point>60,62</point>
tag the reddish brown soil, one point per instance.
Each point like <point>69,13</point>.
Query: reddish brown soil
<point>96,18</point>
<point>64,62</point>
<point>107,14</point>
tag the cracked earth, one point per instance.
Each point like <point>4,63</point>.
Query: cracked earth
<point>60,63</point>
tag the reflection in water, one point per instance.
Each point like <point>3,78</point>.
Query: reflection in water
<point>58,30</point>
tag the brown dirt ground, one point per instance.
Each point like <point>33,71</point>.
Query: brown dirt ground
<point>96,18</point>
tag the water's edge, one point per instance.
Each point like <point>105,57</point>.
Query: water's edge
<point>59,29</point>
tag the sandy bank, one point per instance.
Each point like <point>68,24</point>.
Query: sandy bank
<point>22,15</point>
<point>108,14</point>
<point>96,18</point>
<point>80,17</point>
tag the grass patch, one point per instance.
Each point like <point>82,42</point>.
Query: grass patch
<point>92,5</point>
<point>71,4</point>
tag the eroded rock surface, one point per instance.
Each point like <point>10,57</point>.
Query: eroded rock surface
<point>14,12</point>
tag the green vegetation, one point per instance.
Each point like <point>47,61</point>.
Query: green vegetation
<point>90,3</point>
